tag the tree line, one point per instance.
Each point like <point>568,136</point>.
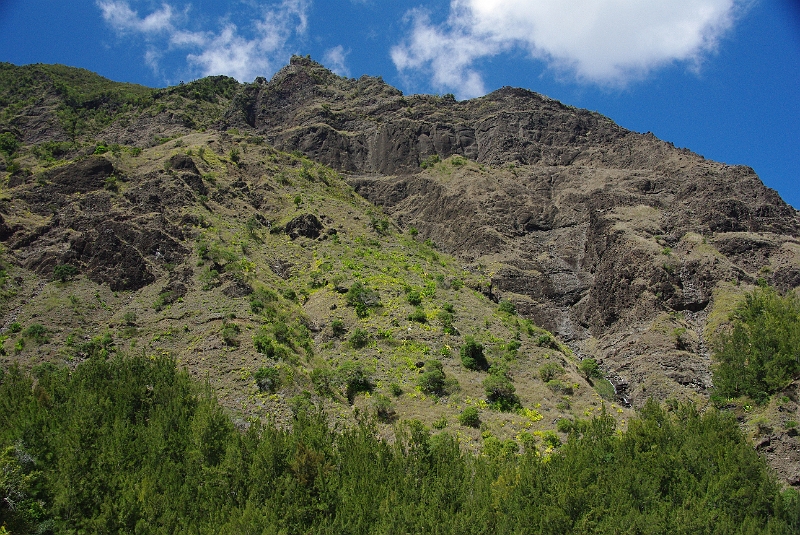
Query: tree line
<point>130,444</point>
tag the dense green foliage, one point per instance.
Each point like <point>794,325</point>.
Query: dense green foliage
<point>432,380</point>
<point>500,392</point>
<point>472,356</point>
<point>589,368</point>
<point>760,355</point>
<point>131,445</point>
<point>469,417</point>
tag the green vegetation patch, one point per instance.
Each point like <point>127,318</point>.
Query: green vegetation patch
<point>166,455</point>
<point>760,354</point>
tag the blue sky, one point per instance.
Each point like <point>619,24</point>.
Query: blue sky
<point>721,77</point>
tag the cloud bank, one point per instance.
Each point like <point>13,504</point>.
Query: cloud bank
<point>241,53</point>
<point>604,42</point>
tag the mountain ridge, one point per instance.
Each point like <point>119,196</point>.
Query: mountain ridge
<point>630,250</point>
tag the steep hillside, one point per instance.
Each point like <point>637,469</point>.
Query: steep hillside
<point>612,239</point>
<point>321,239</point>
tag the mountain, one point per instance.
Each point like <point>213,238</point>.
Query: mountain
<point>314,237</point>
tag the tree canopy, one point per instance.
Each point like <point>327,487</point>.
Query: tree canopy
<point>132,445</point>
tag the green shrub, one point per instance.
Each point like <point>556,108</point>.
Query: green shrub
<point>15,327</point>
<point>162,301</point>
<point>432,379</point>
<point>472,356</point>
<point>384,408</point>
<point>359,338</point>
<point>230,332</point>
<point>606,390</point>
<point>546,340</point>
<point>338,328</point>
<point>49,151</point>
<point>362,299</point>
<point>289,294</point>
<point>507,307</point>
<point>395,389</point>
<point>8,143</point>
<point>259,298</point>
<point>414,297</point>
<point>380,225</point>
<point>430,161</point>
<point>500,392</point>
<point>282,333</point>
<point>469,417</point>
<point>494,448</point>
<point>209,278</point>
<point>759,355</point>
<point>129,318</point>
<point>268,379</point>
<point>560,387</point>
<point>265,344</point>
<point>446,319</point>
<point>355,379</point>
<point>589,368</point>
<point>418,315</point>
<point>64,272</point>
<point>565,425</point>
<point>323,380</point>
<point>111,184</point>
<point>37,333</point>
<point>256,305</point>
<point>549,371</point>
<point>551,440</point>
<point>440,423</point>
<point>252,226</point>
<point>511,349</point>
<point>302,405</point>
<point>316,280</point>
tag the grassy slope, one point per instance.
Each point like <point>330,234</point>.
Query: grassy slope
<point>193,328</point>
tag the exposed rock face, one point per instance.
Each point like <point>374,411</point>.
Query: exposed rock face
<point>187,170</point>
<point>306,225</point>
<point>369,126</point>
<point>111,238</point>
<point>596,232</point>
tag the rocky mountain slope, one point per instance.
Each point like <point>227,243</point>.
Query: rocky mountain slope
<point>612,239</point>
<point>214,221</point>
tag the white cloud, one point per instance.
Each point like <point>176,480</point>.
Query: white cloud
<point>447,52</point>
<point>607,42</point>
<point>123,19</point>
<point>242,54</point>
<point>335,59</point>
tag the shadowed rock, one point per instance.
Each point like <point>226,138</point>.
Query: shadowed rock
<point>306,225</point>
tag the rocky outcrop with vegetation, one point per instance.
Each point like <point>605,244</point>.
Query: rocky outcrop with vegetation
<point>315,239</point>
